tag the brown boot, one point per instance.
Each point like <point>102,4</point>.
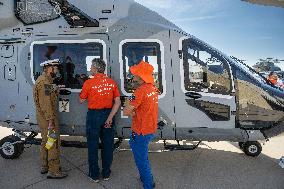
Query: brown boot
<point>59,175</point>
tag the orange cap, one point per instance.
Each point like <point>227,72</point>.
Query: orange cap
<point>143,70</point>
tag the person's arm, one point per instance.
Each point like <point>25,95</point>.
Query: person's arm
<point>114,110</point>
<point>128,110</point>
<point>84,93</point>
<point>44,92</point>
<point>115,107</point>
<point>130,106</point>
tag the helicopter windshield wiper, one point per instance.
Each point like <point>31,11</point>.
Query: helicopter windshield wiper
<point>74,16</point>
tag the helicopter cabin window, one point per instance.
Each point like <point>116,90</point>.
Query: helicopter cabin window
<point>75,58</point>
<point>133,53</point>
<point>204,69</point>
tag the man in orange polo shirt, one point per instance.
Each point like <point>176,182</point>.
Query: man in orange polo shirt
<point>144,111</point>
<point>103,98</point>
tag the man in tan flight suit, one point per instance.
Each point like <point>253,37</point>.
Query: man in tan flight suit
<point>45,98</point>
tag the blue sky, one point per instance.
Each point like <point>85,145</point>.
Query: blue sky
<point>237,28</point>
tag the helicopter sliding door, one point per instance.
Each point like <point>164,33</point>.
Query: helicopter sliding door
<point>206,100</point>
<point>133,53</point>
<point>152,51</point>
<point>76,58</point>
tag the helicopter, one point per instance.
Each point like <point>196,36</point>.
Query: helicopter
<point>205,95</point>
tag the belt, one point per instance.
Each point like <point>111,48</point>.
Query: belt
<point>99,109</point>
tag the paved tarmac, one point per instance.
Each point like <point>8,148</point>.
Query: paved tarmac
<point>214,165</point>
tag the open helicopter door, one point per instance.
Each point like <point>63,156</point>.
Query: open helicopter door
<point>76,57</point>
<point>205,109</point>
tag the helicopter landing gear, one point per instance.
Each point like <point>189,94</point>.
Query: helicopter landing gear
<point>251,148</point>
<point>11,147</point>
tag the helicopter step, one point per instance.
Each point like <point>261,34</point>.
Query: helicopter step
<point>12,146</point>
<point>172,147</point>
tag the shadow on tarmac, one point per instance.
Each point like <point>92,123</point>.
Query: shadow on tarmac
<point>199,169</point>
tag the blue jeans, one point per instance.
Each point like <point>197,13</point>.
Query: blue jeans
<point>95,130</point>
<point>139,145</point>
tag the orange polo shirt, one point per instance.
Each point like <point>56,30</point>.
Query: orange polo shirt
<point>145,119</point>
<point>100,92</point>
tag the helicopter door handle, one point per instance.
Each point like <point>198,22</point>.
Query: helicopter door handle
<point>64,92</point>
<point>193,95</point>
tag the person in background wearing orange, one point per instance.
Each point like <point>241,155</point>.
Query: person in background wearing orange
<point>143,108</point>
<point>103,98</point>
<point>274,79</point>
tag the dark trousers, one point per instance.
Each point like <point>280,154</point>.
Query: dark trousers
<point>95,131</point>
<point>139,145</point>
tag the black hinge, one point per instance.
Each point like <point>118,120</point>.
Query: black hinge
<point>233,113</point>
<point>180,54</point>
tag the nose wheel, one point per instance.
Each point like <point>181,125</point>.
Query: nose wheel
<point>11,147</point>
<point>251,148</point>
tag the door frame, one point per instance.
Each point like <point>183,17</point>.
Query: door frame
<point>219,97</point>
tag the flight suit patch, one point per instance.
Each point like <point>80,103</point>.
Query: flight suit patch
<point>47,89</point>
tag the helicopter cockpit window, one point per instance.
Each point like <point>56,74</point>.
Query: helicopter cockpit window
<point>133,53</point>
<point>75,58</point>
<point>204,69</point>
<point>74,16</point>
<point>34,11</point>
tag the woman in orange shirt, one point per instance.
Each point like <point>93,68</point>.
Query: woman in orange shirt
<point>144,111</point>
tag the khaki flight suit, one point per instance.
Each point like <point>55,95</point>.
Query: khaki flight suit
<point>45,98</point>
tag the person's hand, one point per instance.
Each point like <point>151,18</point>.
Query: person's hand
<point>126,102</point>
<point>133,113</point>
<point>82,100</point>
<point>108,123</point>
<point>51,125</point>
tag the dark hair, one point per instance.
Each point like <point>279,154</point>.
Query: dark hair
<point>271,73</point>
<point>99,64</point>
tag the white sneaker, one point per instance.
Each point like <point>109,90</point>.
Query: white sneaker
<point>106,178</point>
<point>94,180</point>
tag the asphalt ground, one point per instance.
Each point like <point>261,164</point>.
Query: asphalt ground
<point>214,165</point>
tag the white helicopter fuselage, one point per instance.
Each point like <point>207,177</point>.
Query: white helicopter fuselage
<point>205,95</point>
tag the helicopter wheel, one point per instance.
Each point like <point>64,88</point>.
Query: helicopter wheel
<point>11,147</point>
<point>252,148</point>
